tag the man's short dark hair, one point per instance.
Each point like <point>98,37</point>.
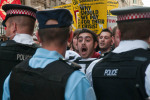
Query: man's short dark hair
<point>134,30</point>
<point>49,35</point>
<point>106,30</point>
<point>75,34</point>
<point>85,30</point>
<point>24,22</point>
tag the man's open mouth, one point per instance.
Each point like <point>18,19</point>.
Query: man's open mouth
<point>84,50</point>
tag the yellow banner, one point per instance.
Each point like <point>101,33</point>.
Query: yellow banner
<point>75,4</point>
<point>93,15</point>
<point>70,8</point>
<point>111,4</point>
<point>90,1</point>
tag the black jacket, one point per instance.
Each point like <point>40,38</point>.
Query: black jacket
<point>121,76</point>
<point>11,54</point>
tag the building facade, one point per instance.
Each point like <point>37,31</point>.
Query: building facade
<point>125,3</point>
<point>46,4</point>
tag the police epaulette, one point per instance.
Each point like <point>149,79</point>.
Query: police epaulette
<point>73,64</point>
<point>7,42</point>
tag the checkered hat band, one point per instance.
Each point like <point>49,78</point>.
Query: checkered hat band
<point>133,16</point>
<point>21,12</point>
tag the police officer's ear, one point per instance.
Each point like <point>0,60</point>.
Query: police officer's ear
<point>148,41</point>
<point>37,35</point>
<point>113,40</point>
<point>14,27</point>
<point>70,36</point>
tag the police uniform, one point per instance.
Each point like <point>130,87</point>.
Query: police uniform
<point>84,63</point>
<point>46,76</point>
<point>124,73</point>
<point>14,51</point>
<point>72,56</point>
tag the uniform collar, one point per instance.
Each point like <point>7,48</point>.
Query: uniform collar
<point>44,53</point>
<point>128,45</point>
<point>23,39</point>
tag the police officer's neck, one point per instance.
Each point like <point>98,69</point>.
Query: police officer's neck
<point>60,49</point>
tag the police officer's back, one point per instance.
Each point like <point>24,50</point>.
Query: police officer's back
<point>19,22</point>
<point>46,76</point>
<point>124,73</point>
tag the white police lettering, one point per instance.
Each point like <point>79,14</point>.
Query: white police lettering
<point>22,56</point>
<point>110,72</point>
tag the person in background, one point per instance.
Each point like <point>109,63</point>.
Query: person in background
<point>74,40</point>
<point>105,42</point>
<point>73,52</point>
<point>47,76</point>
<point>117,35</point>
<point>86,44</point>
<point>125,73</point>
<point>19,23</point>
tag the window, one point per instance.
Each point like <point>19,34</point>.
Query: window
<point>22,2</point>
<point>134,1</point>
<point>2,30</point>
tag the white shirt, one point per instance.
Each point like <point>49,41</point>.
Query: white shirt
<point>23,39</point>
<point>123,47</point>
<point>71,53</point>
<point>84,63</point>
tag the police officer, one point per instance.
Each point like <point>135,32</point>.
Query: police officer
<point>124,74</point>
<point>46,76</point>
<point>19,22</point>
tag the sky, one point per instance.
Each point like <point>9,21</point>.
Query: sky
<point>146,2</point>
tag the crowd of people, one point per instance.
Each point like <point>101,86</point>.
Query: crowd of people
<point>79,65</point>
